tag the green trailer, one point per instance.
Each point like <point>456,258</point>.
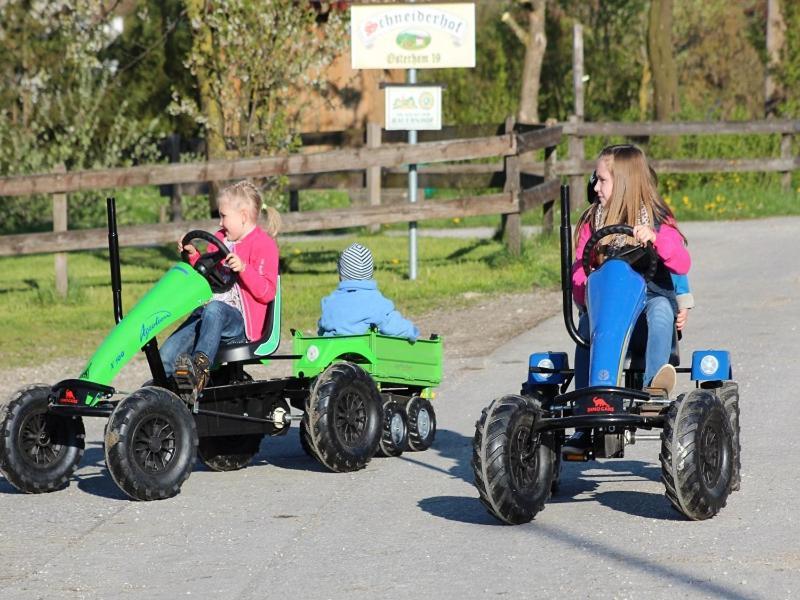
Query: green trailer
<point>404,372</point>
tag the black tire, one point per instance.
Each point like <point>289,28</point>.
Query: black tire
<point>421,423</point>
<point>228,452</point>
<point>39,451</point>
<point>513,470</point>
<point>697,455</point>
<point>150,444</point>
<point>344,417</point>
<point>729,395</point>
<point>394,435</point>
<point>305,438</point>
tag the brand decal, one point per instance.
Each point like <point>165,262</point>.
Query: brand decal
<point>151,322</point>
<point>117,359</point>
<point>599,405</point>
<point>603,375</point>
<point>85,374</point>
<point>407,18</point>
<point>68,397</point>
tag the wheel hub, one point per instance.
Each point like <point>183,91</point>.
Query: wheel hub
<point>154,444</point>
<point>36,440</point>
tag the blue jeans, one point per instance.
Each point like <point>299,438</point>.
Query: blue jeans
<point>202,332</point>
<point>660,319</point>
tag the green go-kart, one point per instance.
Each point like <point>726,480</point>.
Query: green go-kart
<point>356,396</point>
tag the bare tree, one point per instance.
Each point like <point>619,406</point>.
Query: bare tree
<point>535,42</point>
<point>662,60</point>
<point>776,40</point>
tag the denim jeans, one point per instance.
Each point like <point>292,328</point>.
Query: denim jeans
<point>659,318</point>
<point>202,332</point>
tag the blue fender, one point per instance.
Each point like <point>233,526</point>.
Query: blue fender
<point>616,296</point>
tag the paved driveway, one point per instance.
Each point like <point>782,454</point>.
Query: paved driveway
<point>412,527</point>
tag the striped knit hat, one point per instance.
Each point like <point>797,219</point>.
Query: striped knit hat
<point>356,263</point>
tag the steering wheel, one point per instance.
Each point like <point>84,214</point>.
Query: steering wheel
<point>207,263</point>
<point>631,255</point>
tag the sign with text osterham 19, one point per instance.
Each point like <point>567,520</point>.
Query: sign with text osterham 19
<point>412,36</point>
<point>413,107</point>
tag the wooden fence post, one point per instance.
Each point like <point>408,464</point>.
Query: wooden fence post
<point>549,173</point>
<point>576,153</point>
<point>511,225</point>
<point>374,173</point>
<point>786,152</point>
<point>60,224</point>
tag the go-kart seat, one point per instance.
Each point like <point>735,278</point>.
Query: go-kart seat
<point>264,346</point>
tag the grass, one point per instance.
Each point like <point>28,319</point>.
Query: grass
<point>37,324</point>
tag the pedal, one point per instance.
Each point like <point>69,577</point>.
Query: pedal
<point>585,456</point>
<point>185,384</point>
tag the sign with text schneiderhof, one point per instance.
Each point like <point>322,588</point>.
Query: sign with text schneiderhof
<point>412,36</point>
<point>413,107</point>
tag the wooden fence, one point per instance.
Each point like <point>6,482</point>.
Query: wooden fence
<point>378,162</point>
<point>313,168</point>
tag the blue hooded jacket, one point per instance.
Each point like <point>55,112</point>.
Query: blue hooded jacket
<point>355,305</point>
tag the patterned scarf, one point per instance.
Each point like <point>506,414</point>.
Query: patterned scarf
<point>619,240</point>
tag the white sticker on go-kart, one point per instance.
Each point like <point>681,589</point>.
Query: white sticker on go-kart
<point>709,364</point>
<point>312,353</point>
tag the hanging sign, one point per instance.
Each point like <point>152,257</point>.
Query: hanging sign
<point>412,36</point>
<point>417,107</point>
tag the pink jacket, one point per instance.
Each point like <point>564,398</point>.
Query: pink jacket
<point>257,283</point>
<point>668,245</point>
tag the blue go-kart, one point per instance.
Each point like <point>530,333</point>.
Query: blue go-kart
<point>518,438</point>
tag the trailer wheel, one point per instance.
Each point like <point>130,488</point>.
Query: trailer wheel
<point>394,436</point>
<point>513,466</point>
<point>729,394</point>
<point>344,417</point>
<point>697,455</point>
<point>228,452</point>
<point>421,423</point>
<point>150,444</point>
<point>39,451</point>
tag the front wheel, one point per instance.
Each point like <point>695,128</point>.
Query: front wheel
<point>513,465</point>
<point>150,444</point>
<point>697,455</point>
<point>344,417</point>
<point>729,395</point>
<point>228,452</point>
<point>39,451</point>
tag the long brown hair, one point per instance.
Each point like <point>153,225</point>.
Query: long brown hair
<point>635,187</point>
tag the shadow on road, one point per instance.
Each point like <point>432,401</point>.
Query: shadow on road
<point>458,508</point>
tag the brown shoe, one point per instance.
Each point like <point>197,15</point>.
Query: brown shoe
<point>192,373</point>
<point>665,379</point>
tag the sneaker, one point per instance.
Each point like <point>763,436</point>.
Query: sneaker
<point>578,443</point>
<point>665,379</point>
<point>192,372</point>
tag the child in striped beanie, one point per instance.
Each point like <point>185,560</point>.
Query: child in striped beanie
<point>356,303</point>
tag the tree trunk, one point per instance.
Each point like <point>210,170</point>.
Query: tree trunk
<point>212,111</point>
<point>662,60</point>
<point>776,39</point>
<point>535,45</point>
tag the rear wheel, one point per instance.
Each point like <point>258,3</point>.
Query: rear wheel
<point>394,437</point>
<point>39,451</point>
<point>421,423</point>
<point>228,452</point>
<point>513,466</point>
<point>344,419</point>
<point>729,394</point>
<point>697,455</point>
<point>150,444</point>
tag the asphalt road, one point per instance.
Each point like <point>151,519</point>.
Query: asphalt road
<point>412,527</point>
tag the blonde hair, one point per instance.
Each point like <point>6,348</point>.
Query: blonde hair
<point>244,194</point>
<point>635,190</point>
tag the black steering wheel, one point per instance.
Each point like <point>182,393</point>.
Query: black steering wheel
<point>630,254</point>
<point>207,263</point>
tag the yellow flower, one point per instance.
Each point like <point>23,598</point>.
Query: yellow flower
<point>296,250</point>
<point>668,200</point>
<point>685,200</point>
<point>395,261</point>
<point>456,220</point>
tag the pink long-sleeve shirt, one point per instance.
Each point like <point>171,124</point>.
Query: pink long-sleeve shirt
<point>257,283</point>
<point>668,245</point>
